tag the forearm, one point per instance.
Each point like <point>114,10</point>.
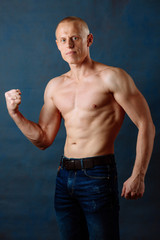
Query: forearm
<point>144,149</point>
<point>41,134</point>
<point>31,130</point>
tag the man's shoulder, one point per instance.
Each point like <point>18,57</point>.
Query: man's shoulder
<point>114,77</point>
<point>56,81</point>
<point>53,84</point>
<point>107,71</point>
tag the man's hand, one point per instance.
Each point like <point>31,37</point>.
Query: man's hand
<point>13,99</point>
<point>133,188</point>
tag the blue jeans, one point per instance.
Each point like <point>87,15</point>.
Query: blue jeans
<point>87,204</point>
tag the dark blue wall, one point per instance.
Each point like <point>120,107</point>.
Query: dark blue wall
<point>126,35</point>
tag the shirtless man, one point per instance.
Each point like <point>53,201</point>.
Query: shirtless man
<point>92,98</point>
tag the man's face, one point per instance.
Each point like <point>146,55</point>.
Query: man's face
<point>72,41</point>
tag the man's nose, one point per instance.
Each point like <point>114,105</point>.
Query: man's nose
<point>70,43</point>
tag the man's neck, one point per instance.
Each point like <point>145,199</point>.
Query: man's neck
<point>81,70</point>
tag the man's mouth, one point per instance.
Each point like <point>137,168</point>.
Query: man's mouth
<point>70,52</point>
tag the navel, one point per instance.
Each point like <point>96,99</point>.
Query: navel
<point>94,106</point>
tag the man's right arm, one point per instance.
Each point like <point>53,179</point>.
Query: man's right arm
<point>43,133</point>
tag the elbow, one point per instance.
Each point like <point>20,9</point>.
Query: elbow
<point>42,142</point>
<point>147,128</point>
<point>43,147</point>
<point>39,146</point>
<point>150,128</point>
<point>153,130</point>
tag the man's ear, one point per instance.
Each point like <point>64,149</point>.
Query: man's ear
<point>57,43</point>
<point>89,40</point>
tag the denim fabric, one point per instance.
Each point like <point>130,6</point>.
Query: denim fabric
<point>87,204</point>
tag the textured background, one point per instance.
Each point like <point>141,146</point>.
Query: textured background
<point>127,35</point>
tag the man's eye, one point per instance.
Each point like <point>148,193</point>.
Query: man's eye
<point>63,40</point>
<point>75,38</point>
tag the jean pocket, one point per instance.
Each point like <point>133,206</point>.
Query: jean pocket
<point>98,172</point>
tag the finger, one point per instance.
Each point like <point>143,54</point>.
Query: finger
<point>13,92</point>
<point>134,195</point>
<point>123,191</point>
<point>139,195</point>
<point>13,96</point>
<point>127,195</point>
<point>18,91</point>
<point>15,101</point>
<point>16,97</point>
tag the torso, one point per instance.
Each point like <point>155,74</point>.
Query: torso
<point>92,116</point>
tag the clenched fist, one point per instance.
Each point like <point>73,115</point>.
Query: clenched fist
<point>13,99</point>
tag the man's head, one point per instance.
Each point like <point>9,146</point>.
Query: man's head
<point>73,39</point>
<point>74,19</point>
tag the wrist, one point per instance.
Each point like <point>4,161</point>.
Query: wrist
<point>14,113</point>
<point>140,175</point>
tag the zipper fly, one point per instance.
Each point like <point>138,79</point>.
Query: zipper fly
<point>71,182</point>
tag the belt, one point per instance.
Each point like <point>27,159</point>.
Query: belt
<point>83,163</point>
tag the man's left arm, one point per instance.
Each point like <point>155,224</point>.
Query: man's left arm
<point>136,107</point>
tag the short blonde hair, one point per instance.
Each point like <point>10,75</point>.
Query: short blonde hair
<point>73,19</point>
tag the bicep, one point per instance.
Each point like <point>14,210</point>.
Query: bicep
<point>135,106</point>
<point>49,121</point>
<point>50,117</point>
<point>132,101</point>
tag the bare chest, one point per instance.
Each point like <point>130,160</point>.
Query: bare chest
<point>86,97</point>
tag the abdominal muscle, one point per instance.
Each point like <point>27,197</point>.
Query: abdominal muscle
<point>91,135</point>
<point>81,148</point>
